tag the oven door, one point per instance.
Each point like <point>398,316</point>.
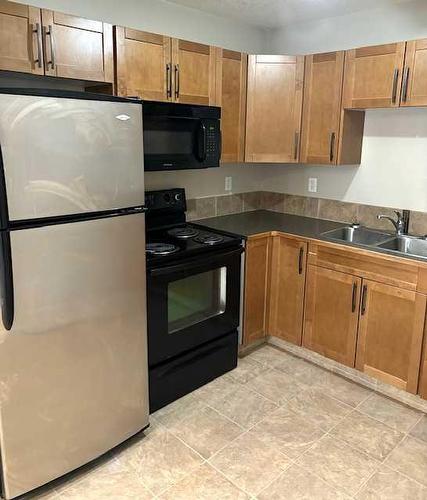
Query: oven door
<point>191,303</point>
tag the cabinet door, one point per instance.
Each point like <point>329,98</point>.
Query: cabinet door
<point>391,334</point>
<point>275,88</point>
<point>256,287</point>
<point>143,64</point>
<point>193,72</point>
<point>322,107</point>
<point>414,86</point>
<point>20,38</point>
<point>77,48</point>
<point>331,314</point>
<point>231,75</point>
<point>288,264</point>
<point>373,76</point>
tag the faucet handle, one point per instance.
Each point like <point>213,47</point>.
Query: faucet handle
<point>399,214</point>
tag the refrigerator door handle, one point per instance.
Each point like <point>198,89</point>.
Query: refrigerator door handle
<point>6,285</point>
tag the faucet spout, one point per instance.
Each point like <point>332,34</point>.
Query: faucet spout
<point>401,224</point>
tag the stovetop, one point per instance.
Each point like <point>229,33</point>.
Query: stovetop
<point>184,240</point>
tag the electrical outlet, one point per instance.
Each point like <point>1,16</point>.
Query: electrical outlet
<point>228,183</point>
<point>312,185</point>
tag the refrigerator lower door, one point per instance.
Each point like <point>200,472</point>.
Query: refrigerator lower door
<point>73,367</point>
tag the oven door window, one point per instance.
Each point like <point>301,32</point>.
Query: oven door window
<point>196,298</point>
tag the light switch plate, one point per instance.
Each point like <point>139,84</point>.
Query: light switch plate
<point>312,185</point>
<point>228,183</point>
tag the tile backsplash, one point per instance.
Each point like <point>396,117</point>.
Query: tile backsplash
<point>211,206</point>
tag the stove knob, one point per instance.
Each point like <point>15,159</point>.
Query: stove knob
<point>178,197</point>
<point>167,197</point>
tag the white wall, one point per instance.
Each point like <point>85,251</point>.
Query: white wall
<point>159,16</point>
<point>209,182</point>
<point>405,21</point>
<point>393,171</point>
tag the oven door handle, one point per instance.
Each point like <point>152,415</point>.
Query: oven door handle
<point>193,263</point>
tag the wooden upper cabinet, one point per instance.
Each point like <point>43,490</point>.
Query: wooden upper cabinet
<point>231,77</point>
<point>78,48</point>
<point>373,76</point>
<point>257,263</point>
<point>414,86</point>
<point>143,64</point>
<point>391,334</point>
<point>193,72</point>
<point>275,90</point>
<point>20,38</point>
<point>288,264</point>
<point>331,314</point>
<point>322,107</point>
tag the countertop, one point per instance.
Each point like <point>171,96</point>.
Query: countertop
<point>264,221</point>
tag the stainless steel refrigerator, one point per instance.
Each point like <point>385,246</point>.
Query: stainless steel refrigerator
<point>73,355</point>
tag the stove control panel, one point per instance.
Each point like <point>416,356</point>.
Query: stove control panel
<point>166,199</point>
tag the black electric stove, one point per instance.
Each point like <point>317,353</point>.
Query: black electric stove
<point>193,299</point>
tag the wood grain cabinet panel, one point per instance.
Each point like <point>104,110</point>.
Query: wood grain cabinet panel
<point>274,108</point>
<point>288,270</point>
<point>143,64</point>
<point>231,77</point>
<point>257,263</point>
<point>20,38</point>
<point>193,72</point>
<point>78,48</point>
<point>414,86</point>
<point>391,334</point>
<point>322,107</point>
<point>330,135</point>
<point>331,314</point>
<point>373,76</point>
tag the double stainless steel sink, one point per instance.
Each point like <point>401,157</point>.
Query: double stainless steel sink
<point>402,244</point>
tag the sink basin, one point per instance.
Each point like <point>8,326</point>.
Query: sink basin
<point>359,235</point>
<point>407,244</point>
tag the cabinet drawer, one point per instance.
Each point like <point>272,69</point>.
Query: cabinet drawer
<point>364,263</point>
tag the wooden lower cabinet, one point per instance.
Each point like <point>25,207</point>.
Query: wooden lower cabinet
<point>287,285</point>
<point>331,314</point>
<point>391,334</point>
<point>257,259</point>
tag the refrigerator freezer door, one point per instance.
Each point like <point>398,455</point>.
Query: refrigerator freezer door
<point>73,367</point>
<point>65,156</point>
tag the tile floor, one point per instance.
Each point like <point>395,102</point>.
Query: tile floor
<point>277,427</point>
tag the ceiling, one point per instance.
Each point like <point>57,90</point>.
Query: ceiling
<point>277,13</point>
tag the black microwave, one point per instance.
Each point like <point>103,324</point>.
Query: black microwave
<point>180,136</point>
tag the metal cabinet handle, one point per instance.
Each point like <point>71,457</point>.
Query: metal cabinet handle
<point>394,91</point>
<point>168,80</point>
<point>331,146</point>
<point>300,260</point>
<point>353,298</point>
<point>364,294</point>
<point>48,32</point>
<point>176,81</point>
<point>37,32</point>
<point>296,144</point>
<point>405,84</point>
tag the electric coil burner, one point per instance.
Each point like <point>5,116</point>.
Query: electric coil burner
<point>183,232</point>
<point>193,299</point>
<point>209,239</point>
<point>160,248</point>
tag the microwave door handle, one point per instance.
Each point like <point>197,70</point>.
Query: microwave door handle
<point>193,263</point>
<point>202,142</point>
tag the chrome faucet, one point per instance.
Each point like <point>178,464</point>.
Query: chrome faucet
<point>401,224</point>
